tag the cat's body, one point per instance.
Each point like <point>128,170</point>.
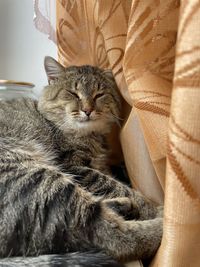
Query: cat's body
<point>55,192</point>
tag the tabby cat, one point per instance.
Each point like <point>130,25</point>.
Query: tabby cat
<point>56,193</point>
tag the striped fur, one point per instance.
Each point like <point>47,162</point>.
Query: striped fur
<point>76,259</point>
<point>55,192</point>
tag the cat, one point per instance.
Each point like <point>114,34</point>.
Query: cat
<point>56,192</point>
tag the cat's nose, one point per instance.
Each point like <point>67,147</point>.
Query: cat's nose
<point>87,111</point>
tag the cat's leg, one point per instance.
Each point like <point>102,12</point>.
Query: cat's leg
<point>100,184</point>
<point>85,221</point>
<point>128,239</point>
<point>124,207</point>
<point>43,211</point>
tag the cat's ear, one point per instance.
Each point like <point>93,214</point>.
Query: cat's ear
<point>109,74</point>
<point>53,68</point>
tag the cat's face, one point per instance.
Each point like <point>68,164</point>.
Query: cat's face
<point>81,98</point>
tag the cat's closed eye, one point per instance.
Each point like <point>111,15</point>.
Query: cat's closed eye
<point>75,85</point>
<point>98,96</point>
<point>74,94</point>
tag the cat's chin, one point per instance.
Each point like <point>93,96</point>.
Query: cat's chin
<point>93,126</point>
<point>89,126</point>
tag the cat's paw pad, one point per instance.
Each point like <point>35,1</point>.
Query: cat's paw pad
<point>123,207</point>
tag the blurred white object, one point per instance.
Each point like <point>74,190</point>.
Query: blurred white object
<point>45,17</point>
<point>23,47</point>
<point>10,89</point>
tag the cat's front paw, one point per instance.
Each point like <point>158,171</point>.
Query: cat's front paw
<point>124,207</point>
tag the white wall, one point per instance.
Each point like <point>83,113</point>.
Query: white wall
<point>22,47</point>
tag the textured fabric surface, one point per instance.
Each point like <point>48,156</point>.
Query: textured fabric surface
<point>158,74</point>
<point>181,243</point>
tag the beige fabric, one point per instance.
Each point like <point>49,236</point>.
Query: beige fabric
<point>134,264</point>
<point>148,68</point>
<point>138,161</point>
<point>137,40</point>
<point>181,243</point>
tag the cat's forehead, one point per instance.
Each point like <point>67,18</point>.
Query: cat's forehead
<point>84,74</point>
<point>84,69</point>
<point>89,78</point>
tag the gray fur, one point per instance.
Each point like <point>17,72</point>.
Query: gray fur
<point>76,259</point>
<point>56,194</point>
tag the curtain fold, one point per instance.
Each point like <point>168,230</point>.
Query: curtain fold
<point>181,245</point>
<point>153,49</point>
<point>148,68</point>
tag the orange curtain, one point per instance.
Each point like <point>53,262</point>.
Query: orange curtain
<point>153,49</point>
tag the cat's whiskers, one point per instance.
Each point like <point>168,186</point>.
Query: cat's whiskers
<point>118,118</point>
<point>114,118</point>
<point>75,113</point>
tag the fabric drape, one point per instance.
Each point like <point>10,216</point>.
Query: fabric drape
<point>181,245</point>
<point>153,49</point>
